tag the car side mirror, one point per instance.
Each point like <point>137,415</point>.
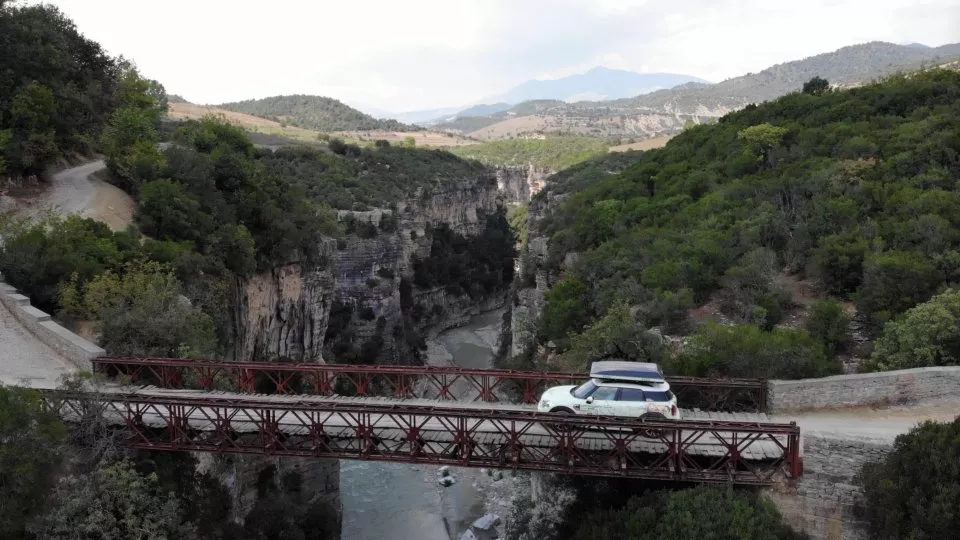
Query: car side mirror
<point>589,400</point>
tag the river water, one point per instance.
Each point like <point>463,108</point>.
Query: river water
<point>399,501</point>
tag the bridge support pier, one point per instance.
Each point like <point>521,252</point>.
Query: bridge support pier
<point>823,502</point>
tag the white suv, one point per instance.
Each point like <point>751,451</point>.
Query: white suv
<point>616,388</point>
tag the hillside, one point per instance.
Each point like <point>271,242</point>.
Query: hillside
<point>666,112</point>
<point>268,132</point>
<point>552,153</point>
<point>314,112</point>
<point>851,193</point>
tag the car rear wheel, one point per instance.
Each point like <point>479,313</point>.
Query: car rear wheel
<point>651,433</point>
<point>560,410</point>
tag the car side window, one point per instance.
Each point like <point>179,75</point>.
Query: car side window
<point>605,393</point>
<point>630,394</point>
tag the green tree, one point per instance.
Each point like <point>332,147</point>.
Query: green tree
<point>113,502</point>
<point>690,514</point>
<point>816,86</point>
<point>913,492</point>
<point>32,137</point>
<point>926,335</point>
<point>31,441</point>
<point>409,142</point>
<point>129,143</point>
<point>167,211</point>
<point>566,309</point>
<point>142,312</point>
<point>763,137</point>
<point>618,334</point>
<point>829,324</point>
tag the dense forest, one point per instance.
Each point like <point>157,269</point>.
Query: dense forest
<point>553,153</point>
<point>57,89</point>
<point>315,112</point>
<point>349,177</point>
<point>854,190</point>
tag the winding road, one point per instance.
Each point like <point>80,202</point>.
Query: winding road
<point>78,191</point>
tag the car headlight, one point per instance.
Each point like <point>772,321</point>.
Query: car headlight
<point>544,404</point>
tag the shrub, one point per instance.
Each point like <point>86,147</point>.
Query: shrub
<point>913,492</point>
<point>829,324</point>
<point>716,513</point>
<point>748,351</point>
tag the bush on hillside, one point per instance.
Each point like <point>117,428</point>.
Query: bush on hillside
<point>926,335</point>
<point>747,351</point>
<point>829,324</point>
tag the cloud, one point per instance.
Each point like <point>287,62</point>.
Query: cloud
<point>433,53</point>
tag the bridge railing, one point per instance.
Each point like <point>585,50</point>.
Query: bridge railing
<point>488,385</point>
<point>695,451</point>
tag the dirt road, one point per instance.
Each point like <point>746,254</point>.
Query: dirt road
<point>880,425</point>
<point>76,191</point>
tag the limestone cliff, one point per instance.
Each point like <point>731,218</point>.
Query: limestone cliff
<point>517,184</point>
<point>285,313</point>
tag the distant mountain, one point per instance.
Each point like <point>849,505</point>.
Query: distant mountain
<point>851,65</point>
<point>423,117</point>
<point>599,83</point>
<point>314,112</point>
<point>484,110</point>
<point>664,112</point>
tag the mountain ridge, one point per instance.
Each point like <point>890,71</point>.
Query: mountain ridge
<point>668,111</point>
<point>319,113</point>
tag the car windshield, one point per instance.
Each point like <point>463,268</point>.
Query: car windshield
<point>584,390</point>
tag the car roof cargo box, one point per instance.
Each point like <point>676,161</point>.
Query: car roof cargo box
<point>622,370</point>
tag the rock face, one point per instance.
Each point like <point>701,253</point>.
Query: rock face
<point>519,183</point>
<point>283,313</point>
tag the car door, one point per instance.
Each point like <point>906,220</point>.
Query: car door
<point>631,402</point>
<point>602,402</point>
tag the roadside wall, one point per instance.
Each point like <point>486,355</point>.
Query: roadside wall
<point>823,503</point>
<point>74,348</point>
<point>865,389</point>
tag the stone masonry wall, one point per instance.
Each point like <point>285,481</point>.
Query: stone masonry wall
<point>865,389</point>
<point>74,348</point>
<point>823,503</point>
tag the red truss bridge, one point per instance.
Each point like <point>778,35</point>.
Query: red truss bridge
<point>476,435</point>
<point>406,382</point>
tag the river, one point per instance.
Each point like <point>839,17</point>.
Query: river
<point>398,501</point>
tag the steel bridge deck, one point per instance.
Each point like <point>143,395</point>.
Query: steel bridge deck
<point>707,447</point>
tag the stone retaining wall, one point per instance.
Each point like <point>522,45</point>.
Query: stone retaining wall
<point>74,348</point>
<point>865,389</point>
<point>823,503</point>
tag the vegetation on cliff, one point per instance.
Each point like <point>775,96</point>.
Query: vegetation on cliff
<point>913,492</point>
<point>553,153</point>
<point>853,189</point>
<point>355,178</point>
<point>315,112</point>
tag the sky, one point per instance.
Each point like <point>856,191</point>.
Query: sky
<point>402,55</point>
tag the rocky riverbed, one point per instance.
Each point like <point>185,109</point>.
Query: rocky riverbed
<point>399,501</point>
